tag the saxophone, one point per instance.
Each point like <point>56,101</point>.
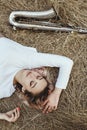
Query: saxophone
<point>36,20</point>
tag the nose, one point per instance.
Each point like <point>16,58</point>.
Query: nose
<point>33,76</point>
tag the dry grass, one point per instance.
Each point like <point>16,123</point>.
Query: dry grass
<point>72,12</point>
<point>72,110</point>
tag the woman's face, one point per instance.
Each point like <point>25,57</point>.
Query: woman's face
<point>33,81</point>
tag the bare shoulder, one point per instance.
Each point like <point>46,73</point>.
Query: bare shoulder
<point>1,35</point>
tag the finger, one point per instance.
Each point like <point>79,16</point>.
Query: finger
<point>45,102</point>
<point>50,109</point>
<point>10,119</point>
<point>18,111</point>
<point>15,116</point>
<point>55,107</point>
<point>12,115</point>
<point>14,119</point>
<point>46,108</point>
<point>39,107</point>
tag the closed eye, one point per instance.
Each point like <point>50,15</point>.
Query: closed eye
<point>32,84</point>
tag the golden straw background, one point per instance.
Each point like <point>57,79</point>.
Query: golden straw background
<point>72,109</point>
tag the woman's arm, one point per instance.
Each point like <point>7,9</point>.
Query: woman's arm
<point>27,60</point>
<point>36,60</point>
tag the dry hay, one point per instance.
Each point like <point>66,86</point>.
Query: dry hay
<point>72,12</point>
<point>72,110</point>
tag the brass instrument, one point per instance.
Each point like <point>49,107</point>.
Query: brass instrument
<point>36,20</point>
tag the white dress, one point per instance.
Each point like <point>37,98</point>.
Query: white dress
<point>15,57</point>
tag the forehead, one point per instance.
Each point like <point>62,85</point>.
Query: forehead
<point>36,72</point>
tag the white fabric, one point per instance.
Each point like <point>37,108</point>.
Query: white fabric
<point>15,57</point>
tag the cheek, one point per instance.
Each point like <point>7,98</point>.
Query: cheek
<point>31,89</point>
<point>26,83</point>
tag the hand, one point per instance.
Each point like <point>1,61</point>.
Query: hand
<point>12,115</point>
<point>51,102</point>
